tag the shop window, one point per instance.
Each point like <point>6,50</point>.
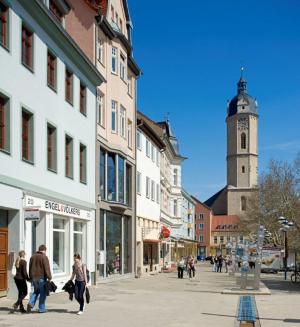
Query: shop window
<point>27,47</point>
<point>51,70</point>
<point>27,136</point>
<point>51,148</point>
<point>82,100</point>
<point>127,245</point>
<point>69,156</point>
<point>82,163</point>
<point>69,86</point>
<point>78,240</point>
<point>113,243</point>
<point>4,25</point>
<point>59,245</point>
<point>4,124</point>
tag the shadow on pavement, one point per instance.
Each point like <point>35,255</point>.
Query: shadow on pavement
<point>281,285</point>
<point>296,321</point>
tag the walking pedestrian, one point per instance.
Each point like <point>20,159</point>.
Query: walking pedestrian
<point>180,267</point>
<point>215,264</point>
<point>220,263</point>
<point>21,279</point>
<point>79,272</point>
<point>191,265</point>
<point>39,273</point>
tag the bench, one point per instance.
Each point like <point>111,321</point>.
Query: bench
<point>246,310</point>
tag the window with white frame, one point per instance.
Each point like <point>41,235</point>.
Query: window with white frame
<point>139,139</point>
<point>122,67</point>
<point>152,153</point>
<point>100,49</point>
<point>175,207</point>
<point>59,245</point>
<point>201,226</point>
<point>157,157</point>
<point>201,239</point>
<point>114,115</point>
<point>129,133</point>
<point>122,121</point>
<point>152,190</point>
<point>201,216</point>
<point>147,187</point>
<point>138,182</point>
<point>175,177</point>
<point>100,109</point>
<point>157,193</point>
<point>129,85</point>
<point>114,60</point>
<point>147,148</point>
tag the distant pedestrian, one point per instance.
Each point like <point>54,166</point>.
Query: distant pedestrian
<point>79,272</point>
<point>215,264</point>
<point>191,265</point>
<point>180,267</point>
<point>220,263</point>
<point>226,262</point>
<point>39,273</point>
<point>21,279</point>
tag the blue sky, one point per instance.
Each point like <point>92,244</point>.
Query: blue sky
<point>191,53</point>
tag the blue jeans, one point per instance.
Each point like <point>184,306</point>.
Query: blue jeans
<point>79,293</point>
<point>38,290</point>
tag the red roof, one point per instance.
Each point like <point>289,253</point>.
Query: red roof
<point>225,223</point>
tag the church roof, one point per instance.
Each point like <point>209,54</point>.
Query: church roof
<point>210,202</point>
<point>242,102</point>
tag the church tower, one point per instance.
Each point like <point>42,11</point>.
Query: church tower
<point>242,148</point>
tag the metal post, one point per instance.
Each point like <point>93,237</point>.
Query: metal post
<point>285,254</point>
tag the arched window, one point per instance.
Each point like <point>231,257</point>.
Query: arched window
<point>243,141</point>
<point>243,203</point>
<point>243,169</point>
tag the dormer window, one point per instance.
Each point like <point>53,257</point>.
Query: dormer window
<point>56,11</point>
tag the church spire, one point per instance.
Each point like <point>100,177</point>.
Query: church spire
<point>242,84</point>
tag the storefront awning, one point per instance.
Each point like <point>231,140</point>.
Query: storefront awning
<point>151,241</point>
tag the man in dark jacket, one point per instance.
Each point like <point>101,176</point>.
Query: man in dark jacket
<point>39,272</point>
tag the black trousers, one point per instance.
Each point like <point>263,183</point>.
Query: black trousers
<point>191,272</point>
<point>79,293</point>
<point>180,272</point>
<point>22,290</point>
<point>219,268</point>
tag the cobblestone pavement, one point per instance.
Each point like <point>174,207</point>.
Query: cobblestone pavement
<point>163,300</point>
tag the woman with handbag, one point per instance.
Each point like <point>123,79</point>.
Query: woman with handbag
<point>21,278</point>
<point>79,272</point>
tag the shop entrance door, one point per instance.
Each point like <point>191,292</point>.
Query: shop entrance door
<point>3,260</point>
<point>151,257</point>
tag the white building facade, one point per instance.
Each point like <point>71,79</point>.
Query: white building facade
<point>187,229</point>
<point>48,140</point>
<point>149,148</point>
<point>171,198</point>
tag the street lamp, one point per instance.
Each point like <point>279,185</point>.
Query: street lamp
<point>286,225</point>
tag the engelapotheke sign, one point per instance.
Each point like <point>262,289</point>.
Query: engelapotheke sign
<point>55,207</point>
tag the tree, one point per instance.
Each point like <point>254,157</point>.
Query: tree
<point>278,194</point>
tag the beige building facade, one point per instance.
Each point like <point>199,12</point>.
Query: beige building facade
<point>103,30</point>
